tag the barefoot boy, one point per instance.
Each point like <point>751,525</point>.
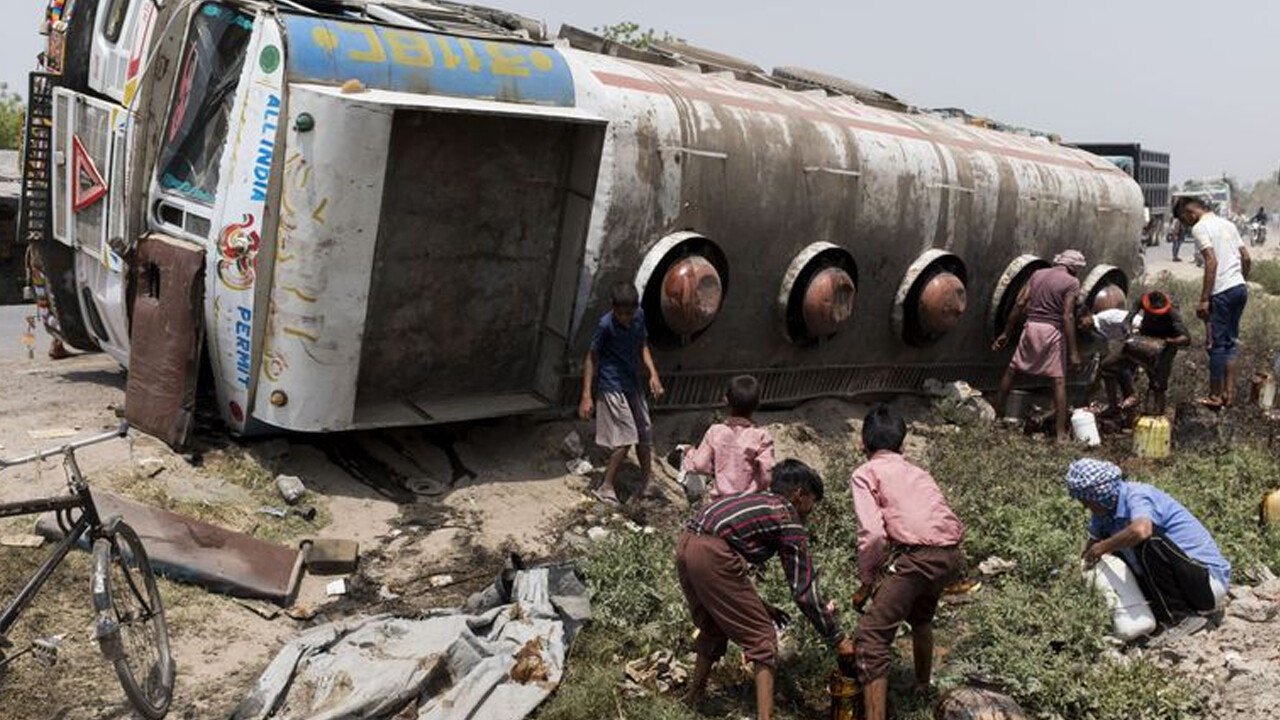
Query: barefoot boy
<point>908,552</point>
<point>736,452</point>
<point>713,561</point>
<point>611,386</point>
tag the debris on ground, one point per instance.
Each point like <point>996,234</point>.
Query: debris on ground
<point>572,446</point>
<point>658,673</point>
<point>530,666</point>
<point>959,403</point>
<point>330,556</point>
<point>1235,665</point>
<point>579,466</point>
<point>197,552</point>
<point>1196,426</point>
<point>973,703</point>
<point>499,664</point>
<point>995,565</point>
<point>291,488</point>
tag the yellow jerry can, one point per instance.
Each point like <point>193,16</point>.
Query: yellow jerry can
<point>1151,437</point>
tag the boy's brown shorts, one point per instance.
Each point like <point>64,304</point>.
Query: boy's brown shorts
<point>723,601</point>
<point>910,594</point>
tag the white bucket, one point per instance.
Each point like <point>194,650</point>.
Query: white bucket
<point>1131,616</point>
<point>1085,428</point>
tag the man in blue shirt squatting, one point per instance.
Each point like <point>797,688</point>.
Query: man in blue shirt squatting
<point>1178,566</point>
<point>611,387</point>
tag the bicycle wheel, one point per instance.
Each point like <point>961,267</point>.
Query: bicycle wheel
<point>131,629</point>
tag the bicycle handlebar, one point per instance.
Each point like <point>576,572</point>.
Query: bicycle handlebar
<point>66,448</point>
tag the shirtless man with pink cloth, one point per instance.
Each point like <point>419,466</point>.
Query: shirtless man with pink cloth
<point>1048,304</point>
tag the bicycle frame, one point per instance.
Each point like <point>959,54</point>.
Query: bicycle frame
<point>80,498</point>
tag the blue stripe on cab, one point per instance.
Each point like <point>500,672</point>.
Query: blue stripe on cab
<point>327,51</point>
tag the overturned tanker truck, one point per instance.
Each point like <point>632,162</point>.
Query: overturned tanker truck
<point>348,215</point>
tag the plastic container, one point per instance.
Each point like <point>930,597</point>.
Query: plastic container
<point>1085,427</point>
<point>1131,616</point>
<point>1152,437</point>
<point>1263,392</point>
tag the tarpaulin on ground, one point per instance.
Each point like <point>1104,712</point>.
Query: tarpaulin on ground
<point>497,663</point>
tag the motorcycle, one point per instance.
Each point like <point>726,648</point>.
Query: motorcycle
<point>1257,234</point>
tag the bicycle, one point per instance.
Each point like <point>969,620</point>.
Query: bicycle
<point>129,619</point>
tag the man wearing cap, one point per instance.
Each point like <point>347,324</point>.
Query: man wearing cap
<point>1160,333</point>
<point>1223,294</point>
<point>1178,566</point>
<point>1048,304</point>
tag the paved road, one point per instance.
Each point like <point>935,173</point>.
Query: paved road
<point>1160,259</point>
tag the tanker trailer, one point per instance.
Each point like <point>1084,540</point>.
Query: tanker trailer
<point>382,218</point>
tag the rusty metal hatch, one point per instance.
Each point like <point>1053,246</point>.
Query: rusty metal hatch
<point>166,338</point>
<point>483,220</point>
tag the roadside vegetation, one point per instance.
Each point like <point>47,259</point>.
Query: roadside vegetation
<point>12,113</point>
<point>1037,631</point>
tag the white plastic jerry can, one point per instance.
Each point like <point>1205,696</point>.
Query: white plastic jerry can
<point>1085,428</point>
<point>1131,616</point>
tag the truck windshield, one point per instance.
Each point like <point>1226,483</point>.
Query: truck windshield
<point>201,106</point>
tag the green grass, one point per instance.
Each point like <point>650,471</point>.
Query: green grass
<point>237,468</point>
<point>1038,630</point>
<point>1267,274</point>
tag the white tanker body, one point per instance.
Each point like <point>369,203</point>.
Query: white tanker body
<point>407,226</point>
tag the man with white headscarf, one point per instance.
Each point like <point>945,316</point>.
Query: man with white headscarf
<point>1179,567</point>
<point>1048,304</point>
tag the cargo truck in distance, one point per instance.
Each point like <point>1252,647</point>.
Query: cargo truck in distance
<point>345,215</point>
<point>1151,170</point>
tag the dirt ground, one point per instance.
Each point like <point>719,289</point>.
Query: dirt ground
<point>512,494</point>
<point>430,551</point>
<point>426,547</point>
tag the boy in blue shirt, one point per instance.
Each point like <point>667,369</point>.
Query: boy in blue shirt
<point>1182,573</point>
<point>611,387</point>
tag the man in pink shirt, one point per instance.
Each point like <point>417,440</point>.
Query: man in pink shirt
<point>908,552</point>
<point>736,452</point>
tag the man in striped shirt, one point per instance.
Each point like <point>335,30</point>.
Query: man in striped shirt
<point>714,558</point>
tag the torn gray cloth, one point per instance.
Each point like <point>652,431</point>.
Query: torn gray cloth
<point>449,665</point>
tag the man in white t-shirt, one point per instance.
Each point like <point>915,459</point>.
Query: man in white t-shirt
<point>1223,295</point>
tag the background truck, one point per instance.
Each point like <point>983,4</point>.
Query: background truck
<point>1150,168</point>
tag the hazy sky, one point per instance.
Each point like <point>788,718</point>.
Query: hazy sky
<point>1090,70</point>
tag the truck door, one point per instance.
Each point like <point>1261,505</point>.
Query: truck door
<point>90,147</point>
<point>168,338</point>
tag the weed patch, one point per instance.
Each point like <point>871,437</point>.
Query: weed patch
<point>1267,274</point>
<point>1046,647</point>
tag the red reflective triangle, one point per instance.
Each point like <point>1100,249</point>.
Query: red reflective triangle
<point>82,168</point>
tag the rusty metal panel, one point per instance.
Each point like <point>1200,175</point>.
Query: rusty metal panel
<point>196,552</point>
<point>167,336</point>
